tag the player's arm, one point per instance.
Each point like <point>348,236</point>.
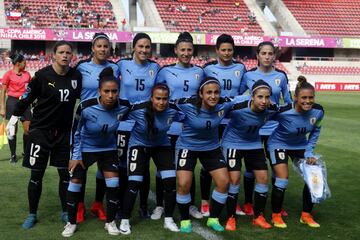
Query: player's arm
<point>76,157</point>
<point>312,140</point>
<point>286,91</point>
<point>243,85</point>
<point>3,95</point>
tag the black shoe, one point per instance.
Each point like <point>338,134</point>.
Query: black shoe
<point>13,159</point>
<point>144,213</point>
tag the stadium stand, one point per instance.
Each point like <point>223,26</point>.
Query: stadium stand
<point>324,70</point>
<point>327,18</point>
<point>54,13</point>
<point>200,16</point>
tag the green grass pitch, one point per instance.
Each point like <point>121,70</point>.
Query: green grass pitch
<point>338,216</point>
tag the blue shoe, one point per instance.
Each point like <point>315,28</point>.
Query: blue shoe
<point>185,226</point>
<point>30,221</point>
<point>64,217</point>
<point>214,224</point>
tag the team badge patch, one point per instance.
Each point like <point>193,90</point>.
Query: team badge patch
<point>169,121</point>
<point>74,84</point>
<point>182,162</point>
<point>132,167</point>
<point>232,163</point>
<point>197,76</point>
<point>281,155</point>
<point>32,161</point>
<point>151,73</point>
<point>221,113</point>
<point>237,73</point>
<point>312,120</point>
<point>277,81</point>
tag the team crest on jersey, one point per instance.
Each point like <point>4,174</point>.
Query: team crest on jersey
<point>151,73</point>
<point>132,167</point>
<point>182,162</point>
<point>281,155</point>
<point>221,113</point>
<point>197,76</point>
<point>120,116</point>
<point>32,161</point>
<point>237,73</point>
<point>74,84</point>
<point>169,121</point>
<point>312,120</point>
<point>277,81</point>
<point>232,163</point>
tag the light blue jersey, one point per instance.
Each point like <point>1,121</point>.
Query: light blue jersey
<point>242,132</point>
<point>201,126</point>
<point>96,127</point>
<point>230,77</point>
<point>90,76</point>
<point>278,82</point>
<point>297,130</point>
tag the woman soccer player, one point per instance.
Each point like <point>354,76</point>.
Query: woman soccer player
<point>90,70</point>
<point>14,86</point>
<point>296,136</point>
<point>241,139</point>
<point>278,82</point>
<point>55,89</point>
<point>183,80</point>
<point>95,141</point>
<point>229,73</point>
<point>149,140</point>
<point>200,139</point>
<point>138,76</point>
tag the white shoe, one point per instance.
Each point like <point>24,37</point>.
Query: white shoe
<point>157,212</point>
<point>170,224</point>
<point>194,212</point>
<point>112,228</point>
<point>69,230</point>
<point>125,227</point>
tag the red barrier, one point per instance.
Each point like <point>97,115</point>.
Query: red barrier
<point>337,86</point>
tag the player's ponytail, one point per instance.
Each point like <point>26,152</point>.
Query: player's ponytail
<point>184,37</point>
<point>17,58</point>
<point>106,75</point>
<point>303,84</point>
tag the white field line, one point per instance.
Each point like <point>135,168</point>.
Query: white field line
<point>197,228</point>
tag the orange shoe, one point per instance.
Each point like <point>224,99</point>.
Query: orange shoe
<point>248,209</point>
<point>231,224</point>
<point>307,218</point>
<point>80,216</point>
<point>284,213</point>
<point>278,221</point>
<point>98,210</point>
<point>261,222</point>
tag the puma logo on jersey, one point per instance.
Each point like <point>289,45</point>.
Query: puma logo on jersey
<point>51,84</point>
<point>174,74</point>
<point>129,71</point>
<point>215,73</point>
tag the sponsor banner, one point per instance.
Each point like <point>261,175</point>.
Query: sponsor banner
<point>170,38</point>
<point>240,40</point>
<point>337,86</point>
<point>13,15</point>
<point>316,42</point>
<point>351,43</point>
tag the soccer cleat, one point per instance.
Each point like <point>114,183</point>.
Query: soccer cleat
<point>307,218</point>
<point>185,226</point>
<point>239,211</point>
<point>64,217</point>
<point>214,224</point>
<point>261,222</point>
<point>248,209</point>
<point>278,221</point>
<point>80,215</point>
<point>170,224</point>
<point>284,213</point>
<point>112,228</point>
<point>157,213</point>
<point>125,227</point>
<point>205,210</point>
<point>194,212</point>
<point>69,230</point>
<point>13,159</point>
<point>231,224</point>
<point>98,210</point>
<point>30,221</point>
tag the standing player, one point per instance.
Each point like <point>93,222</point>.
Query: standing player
<point>149,140</point>
<point>200,139</point>
<point>90,70</point>
<point>14,85</point>
<point>296,136</point>
<point>138,76</point>
<point>278,82</point>
<point>229,73</point>
<point>183,80</point>
<point>241,139</point>
<point>95,141</point>
<point>55,89</point>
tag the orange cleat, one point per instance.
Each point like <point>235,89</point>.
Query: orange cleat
<point>278,221</point>
<point>261,222</point>
<point>80,216</point>
<point>231,224</point>
<point>98,210</point>
<point>248,209</point>
<point>307,218</point>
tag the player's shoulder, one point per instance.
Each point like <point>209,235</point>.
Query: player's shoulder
<point>88,103</point>
<point>318,107</point>
<point>211,63</point>
<point>285,108</point>
<point>83,62</point>
<point>241,105</point>
<point>168,66</point>
<point>251,71</point>
<point>124,60</point>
